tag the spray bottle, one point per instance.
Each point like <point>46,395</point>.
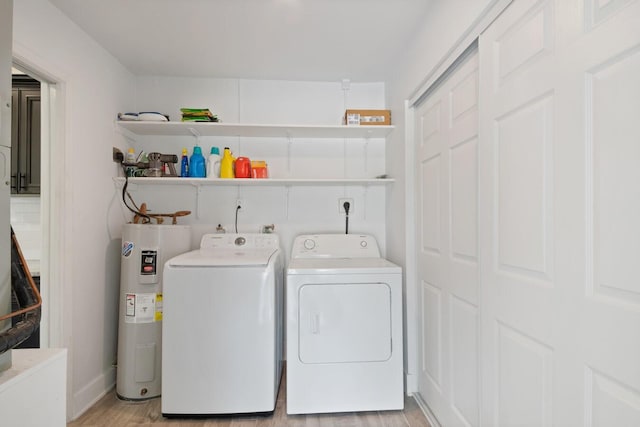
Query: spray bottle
<point>184,164</point>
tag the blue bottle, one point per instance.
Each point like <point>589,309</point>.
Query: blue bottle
<point>197,166</point>
<point>184,164</point>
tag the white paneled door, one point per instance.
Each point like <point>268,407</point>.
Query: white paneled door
<point>447,173</point>
<point>559,214</point>
<point>528,220</point>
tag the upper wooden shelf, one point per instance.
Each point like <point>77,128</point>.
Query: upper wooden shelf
<point>254,130</point>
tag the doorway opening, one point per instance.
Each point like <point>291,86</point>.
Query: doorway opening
<point>25,179</point>
<point>35,202</point>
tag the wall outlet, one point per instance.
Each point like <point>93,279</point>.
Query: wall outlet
<point>240,202</point>
<point>341,205</point>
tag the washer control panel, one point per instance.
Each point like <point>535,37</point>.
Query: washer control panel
<point>235,241</point>
<point>335,246</point>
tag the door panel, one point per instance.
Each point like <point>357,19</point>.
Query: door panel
<point>517,210</point>
<point>616,152</point>
<point>432,335</point>
<point>464,357</point>
<point>559,203</point>
<point>524,379</point>
<point>431,208</point>
<point>446,161</point>
<point>25,141</point>
<point>30,141</point>
<point>524,196</point>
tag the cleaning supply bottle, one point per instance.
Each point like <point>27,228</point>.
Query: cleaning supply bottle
<point>184,164</point>
<point>197,168</point>
<point>226,164</point>
<point>130,160</point>
<point>213,163</point>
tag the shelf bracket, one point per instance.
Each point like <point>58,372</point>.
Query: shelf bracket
<point>198,188</point>
<point>194,132</point>
<point>365,191</point>
<point>366,152</point>
<point>289,149</point>
<point>127,134</point>
<point>287,190</point>
<point>196,135</point>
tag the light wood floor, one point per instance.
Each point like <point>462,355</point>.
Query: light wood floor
<point>110,411</point>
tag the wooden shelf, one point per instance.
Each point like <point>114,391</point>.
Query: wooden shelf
<point>253,130</point>
<point>269,182</point>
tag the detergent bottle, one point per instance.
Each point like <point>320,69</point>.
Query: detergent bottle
<point>226,164</point>
<point>213,164</point>
<point>197,168</point>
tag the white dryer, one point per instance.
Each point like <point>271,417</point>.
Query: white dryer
<point>344,326</point>
<point>222,327</point>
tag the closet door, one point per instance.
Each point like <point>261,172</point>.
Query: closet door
<point>447,247</point>
<point>559,205</point>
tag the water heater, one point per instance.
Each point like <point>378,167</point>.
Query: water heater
<point>145,249</point>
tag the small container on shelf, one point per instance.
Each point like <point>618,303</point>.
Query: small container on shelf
<point>259,169</point>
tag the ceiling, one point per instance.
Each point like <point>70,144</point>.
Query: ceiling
<point>324,40</point>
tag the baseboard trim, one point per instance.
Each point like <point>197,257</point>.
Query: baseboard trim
<point>426,411</point>
<point>89,395</point>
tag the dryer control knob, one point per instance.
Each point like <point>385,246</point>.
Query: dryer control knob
<point>309,244</point>
<point>240,241</point>
<point>363,243</point>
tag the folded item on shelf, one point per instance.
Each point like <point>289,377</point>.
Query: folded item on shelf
<point>152,116</point>
<point>198,115</point>
<point>144,116</point>
<point>200,119</point>
<point>128,116</point>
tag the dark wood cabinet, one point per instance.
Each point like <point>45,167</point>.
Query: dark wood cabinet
<point>25,136</point>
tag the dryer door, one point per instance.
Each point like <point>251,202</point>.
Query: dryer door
<point>341,323</point>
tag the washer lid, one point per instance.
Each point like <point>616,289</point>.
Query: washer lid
<point>342,266</point>
<point>224,257</point>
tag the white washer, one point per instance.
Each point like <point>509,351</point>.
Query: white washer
<point>222,327</point>
<point>344,326</point>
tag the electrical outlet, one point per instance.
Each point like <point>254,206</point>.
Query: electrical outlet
<point>341,205</point>
<point>240,202</point>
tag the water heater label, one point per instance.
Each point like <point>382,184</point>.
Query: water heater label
<point>148,260</point>
<point>130,305</point>
<point>158,316</point>
<point>143,308</point>
<point>127,248</point>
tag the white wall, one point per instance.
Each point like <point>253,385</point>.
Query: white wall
<point>445,24</point>
<point>93,87</point>
<point>294,210</point>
